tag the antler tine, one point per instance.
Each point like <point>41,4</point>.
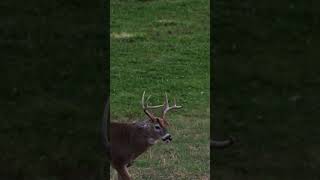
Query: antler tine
<point>175,103</point>
<point>142,100</point>
<point>166,100</point>
<point>167,107</point>
<point>148,99</point>
<point>148,107</point>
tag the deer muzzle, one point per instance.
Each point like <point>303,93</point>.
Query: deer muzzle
<point>167,138</point>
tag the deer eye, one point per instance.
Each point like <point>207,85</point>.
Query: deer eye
<point>157,127</point>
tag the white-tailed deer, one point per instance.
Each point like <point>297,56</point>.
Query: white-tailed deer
<point>129,140</point>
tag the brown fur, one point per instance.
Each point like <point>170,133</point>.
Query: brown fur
<point>128,141</point>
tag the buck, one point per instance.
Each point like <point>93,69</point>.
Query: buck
<point>129,140</point>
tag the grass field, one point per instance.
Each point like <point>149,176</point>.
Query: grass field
<point>163,46</point>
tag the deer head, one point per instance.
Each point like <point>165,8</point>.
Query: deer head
<point>156,127</point>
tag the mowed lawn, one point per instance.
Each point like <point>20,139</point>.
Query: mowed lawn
<point>163,46</point>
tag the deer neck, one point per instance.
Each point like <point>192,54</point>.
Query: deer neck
<point>129,140</point>
<point>139,143</point>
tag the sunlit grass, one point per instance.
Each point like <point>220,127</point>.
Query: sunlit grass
<point>170,54</point>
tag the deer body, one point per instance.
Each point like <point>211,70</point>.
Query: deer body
<point>130,140</point>
<point>127,143</point>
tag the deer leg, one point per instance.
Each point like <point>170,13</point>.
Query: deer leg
<point>123,173</point>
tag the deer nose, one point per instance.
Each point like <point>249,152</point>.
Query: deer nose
<point>167,138</point>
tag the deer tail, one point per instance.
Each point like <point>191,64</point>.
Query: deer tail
<point>104,129</point>
<point>222,144</point>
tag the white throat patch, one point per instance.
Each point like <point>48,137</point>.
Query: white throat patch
<point>151,141</point>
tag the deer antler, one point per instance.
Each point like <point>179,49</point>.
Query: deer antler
<point>145,108</point>
<point>167,107</point>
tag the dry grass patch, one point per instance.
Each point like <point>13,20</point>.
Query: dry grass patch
<point>167,22</point>
<point>127,36</point>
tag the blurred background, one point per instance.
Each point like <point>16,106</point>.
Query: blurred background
<point>267,79</point>
<point>53,78</point>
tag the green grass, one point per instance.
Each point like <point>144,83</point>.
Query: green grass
<point>157,47</point>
